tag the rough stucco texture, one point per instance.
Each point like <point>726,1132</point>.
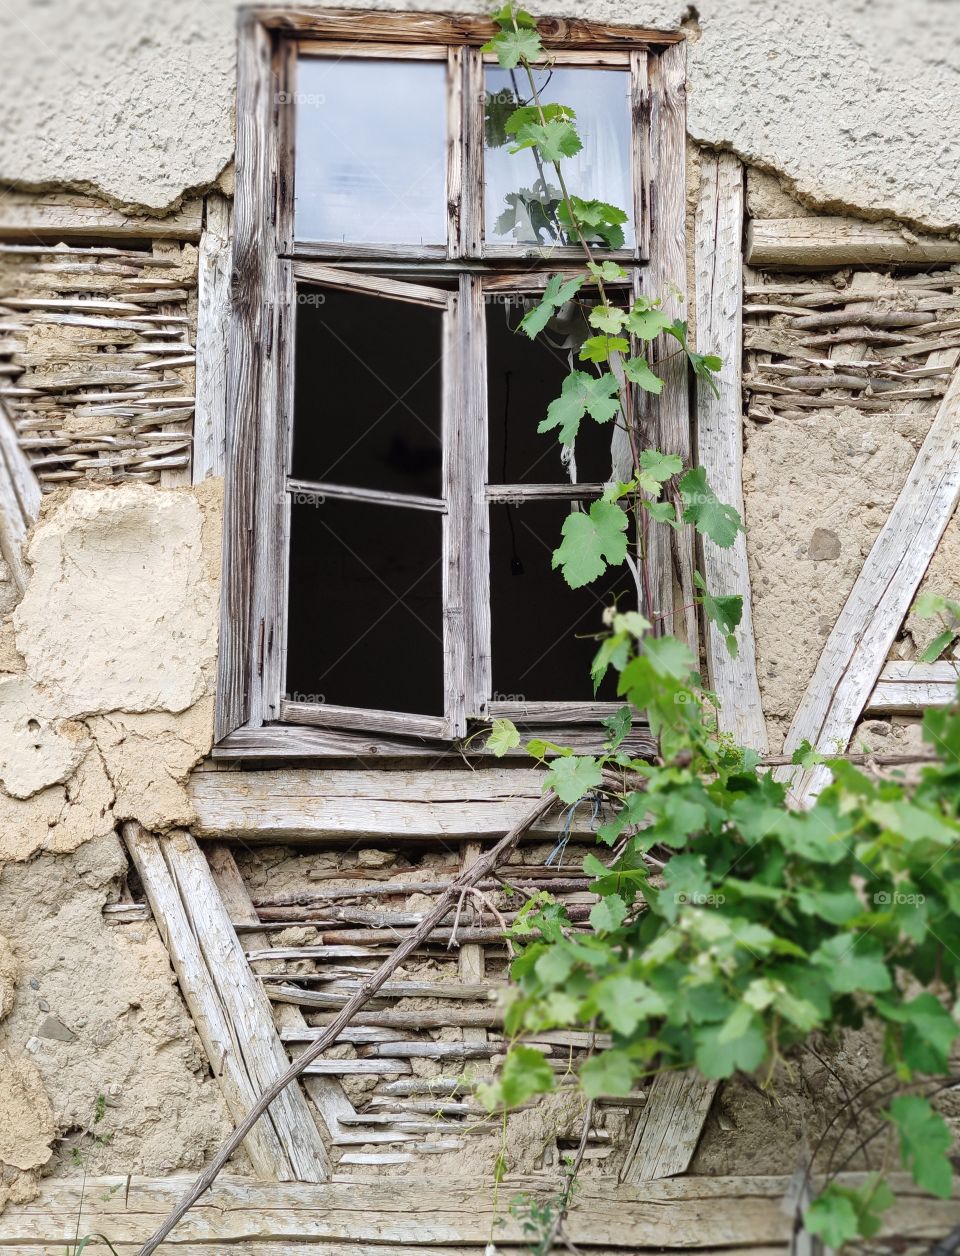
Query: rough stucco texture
<point>857,103</point>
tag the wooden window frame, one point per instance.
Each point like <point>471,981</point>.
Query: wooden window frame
<point>253,717</point>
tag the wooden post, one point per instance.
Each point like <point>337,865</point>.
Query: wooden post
<point>213,316</point>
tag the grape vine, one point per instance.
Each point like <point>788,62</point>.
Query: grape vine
<point>728,927</point>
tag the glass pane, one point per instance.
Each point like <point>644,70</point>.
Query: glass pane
<point>523,377</point>
<point>367,400</point>
<point>366,610</point>
<point>371,151</point>
<point>552,664</point>
<point>521,192</point>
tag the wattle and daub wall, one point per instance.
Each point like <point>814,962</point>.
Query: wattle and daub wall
<point>108,652</point>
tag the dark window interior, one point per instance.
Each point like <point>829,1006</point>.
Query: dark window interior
<point>366,611</point>
<point>523,377</point>
<point>541,628</point>
<point>367,401</point>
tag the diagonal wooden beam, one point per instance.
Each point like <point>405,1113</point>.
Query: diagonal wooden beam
<point>857,648</point>
<point>230,1010</point>
<point>19,500</point>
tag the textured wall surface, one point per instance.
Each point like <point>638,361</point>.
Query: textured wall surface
<point>856,102</point>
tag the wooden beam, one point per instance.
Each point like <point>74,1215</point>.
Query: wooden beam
<point>65,216</point>
<point>230,1009</point>
<point>326,1092</point>
<point>19,500</point>
<point>860,641</point>
<point>907,687</point>
<point>213,317</point>
<point>223,1051</point>
<point>817,243</point>
<point>669,1127</point>
<point>317,803</point>
<point>719,295</point>
<point>412,1215</point>
<point>454,28</point>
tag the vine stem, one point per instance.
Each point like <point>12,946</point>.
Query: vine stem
<point>480,868</point>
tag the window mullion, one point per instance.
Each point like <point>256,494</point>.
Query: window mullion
<point>471,215</point>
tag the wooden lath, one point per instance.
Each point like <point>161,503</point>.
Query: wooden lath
<point>229,1009</point>
<point>19,501</point>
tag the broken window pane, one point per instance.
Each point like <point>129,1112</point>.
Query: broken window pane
<point>521,190</point>
<point>551,664</point>
<point>523,377</point>
<point>365,624</point>
<point>370,151</point>
<point>367,404</point>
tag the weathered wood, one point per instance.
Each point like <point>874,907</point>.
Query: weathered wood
<point>326,715</point>
<point>719,286</point>
<point>700,1214</point>
<point>424,1018</point>
<point>249,348</point>
<point>65,216</point>
<point>325,1092</point>
<point>295,803</point>
<point>436,28</point>
<point>818,243</point>
<point>19,501</point>
<point>244,1004</point>
<point>329,743</point>
<point>669,1127</point>
<point>665,419</point>
<point>318,489</point>
<point>376,285</point>
<point>223,1050</point>
<point>857,647</point>
<point>908,686</point>
<point>213,317</point>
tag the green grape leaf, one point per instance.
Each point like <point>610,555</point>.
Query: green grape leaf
<point>511,47</point>
<point>572,776</point>
<point>832,1218</point>
<point>599,348</point>
<point>503,737</point>
<point>637,371</point>
<point>617,725</point>
<point>591,542</point>
<point>656,468</point>
<point>598,396</point>
<point>507,16</point>
<point>718,1058</point>
<point>726,612</point>
<point>669,657</point>
<point>609,1073</point>
<point>607,271</point>
<point>646,322</point>
<point>938,645</point>
<point>849,966</point>
<point>609,914</point>
<point>527,114</point>
<point>662,512</point>
<point>710,517</point>
<point>929,1031</point>
<point>626,1003</point>
<point>597,219</point>
<point>607,318</point>
<point>914,823</point>
<point>525,1073</point>
<point>924,1143</point>
<point>556,294</point>
<point>553,140</point>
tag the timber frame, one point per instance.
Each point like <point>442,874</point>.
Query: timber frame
<point>253,716</point>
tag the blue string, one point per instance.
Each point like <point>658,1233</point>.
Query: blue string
<point>558,850</point>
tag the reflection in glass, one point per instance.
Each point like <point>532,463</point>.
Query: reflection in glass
<point>370,151</point>
<point>521,191</point>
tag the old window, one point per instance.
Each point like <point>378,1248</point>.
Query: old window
<point>390,508</point>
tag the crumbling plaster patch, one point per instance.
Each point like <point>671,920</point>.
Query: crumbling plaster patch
<point>857,104</point>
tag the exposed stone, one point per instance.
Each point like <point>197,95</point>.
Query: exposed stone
<point>824,545</point>
<point>375,858</point>
<point>119,614</point>
<point>53,1027</point>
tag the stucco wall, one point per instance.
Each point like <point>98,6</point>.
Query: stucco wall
<point>855,102</point>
